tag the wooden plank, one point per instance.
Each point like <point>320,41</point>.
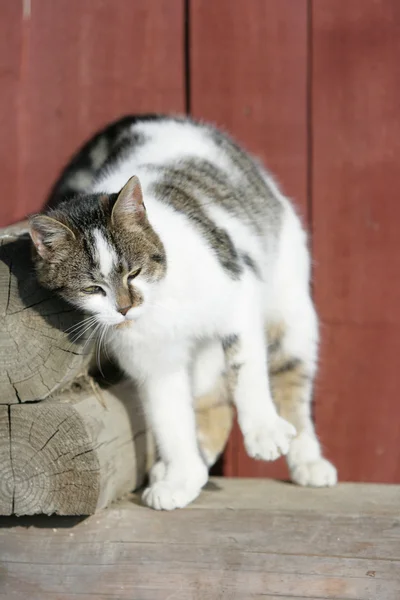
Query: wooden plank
<point>248,74</point>
<point>355,190</point>
<point>11,27</point>
<point>228,544</point>
<point>262,494</point>
<point>86,63</point>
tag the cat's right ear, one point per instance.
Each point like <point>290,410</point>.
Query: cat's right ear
<point>129,203</point>
<point>48,235</point>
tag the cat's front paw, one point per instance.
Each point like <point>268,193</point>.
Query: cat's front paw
<point>167,493</point>
<point>315,473</point>
<point>266,441</point>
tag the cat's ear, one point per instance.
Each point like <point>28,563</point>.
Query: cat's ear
<point>129,202</point>
<point>48,235</point>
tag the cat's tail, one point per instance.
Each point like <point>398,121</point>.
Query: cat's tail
<point>94,156</point>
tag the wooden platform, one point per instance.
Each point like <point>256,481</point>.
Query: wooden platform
<point>242,539</point>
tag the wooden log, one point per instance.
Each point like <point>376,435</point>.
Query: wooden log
<point>36,355</point>
<point>87,446</point>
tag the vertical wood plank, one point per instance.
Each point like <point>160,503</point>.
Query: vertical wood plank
<point>11,26</point>
<point>248,74</point>
<point>356,215</point>
<point>86,63</point>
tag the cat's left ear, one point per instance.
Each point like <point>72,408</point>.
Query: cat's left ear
<point>129,202</point>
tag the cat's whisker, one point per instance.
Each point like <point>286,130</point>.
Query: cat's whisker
<point>105,341</point>
<point>91,337</point>
<point>103,332</point>
<point>82,333</point>
<point>79,334</point>
<point>80,324</point>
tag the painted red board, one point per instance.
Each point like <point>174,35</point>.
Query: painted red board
<point>248,74</point>
<point>86,63</point>
<point>11,56</point>
<point>355,217</point>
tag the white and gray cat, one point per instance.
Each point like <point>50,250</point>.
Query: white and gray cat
<point>184,248</point>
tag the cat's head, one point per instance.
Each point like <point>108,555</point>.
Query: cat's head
<point>100,253</point>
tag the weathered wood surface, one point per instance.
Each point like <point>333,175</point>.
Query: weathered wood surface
<point>86,447</point>
<point>6,475</point>
<point>36,355</point>
<point>241,539</point>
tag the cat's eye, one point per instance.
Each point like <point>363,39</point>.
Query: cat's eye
<point>93,289</point>
<point>133,274</point>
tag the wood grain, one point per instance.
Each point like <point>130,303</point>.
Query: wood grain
<point>356,210</point>
<point>248,74</point>
<point>78,451</point>
<point>241,539</point>
<point>7,480</point>
<point>84,63</point>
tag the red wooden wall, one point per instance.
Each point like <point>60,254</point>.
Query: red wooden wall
<point>355,216</point>
<point>313,87</point>
<point>69,66</point>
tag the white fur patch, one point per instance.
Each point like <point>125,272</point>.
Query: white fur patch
<point>99,153</point>
<point>80,181</point>
<point>105,254</point>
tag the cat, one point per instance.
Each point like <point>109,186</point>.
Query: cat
<point>192,260</point>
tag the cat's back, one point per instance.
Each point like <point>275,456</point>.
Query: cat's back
<point>163,142</point>
<point>195,159</point>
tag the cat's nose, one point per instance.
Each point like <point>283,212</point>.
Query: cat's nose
<point>124,310</point>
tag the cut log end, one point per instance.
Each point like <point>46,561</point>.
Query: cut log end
<point>66,456</point>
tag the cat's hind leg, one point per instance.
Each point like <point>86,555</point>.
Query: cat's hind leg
<point>292,356</point>
<point>291,377</point>
<point>266,435</point>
